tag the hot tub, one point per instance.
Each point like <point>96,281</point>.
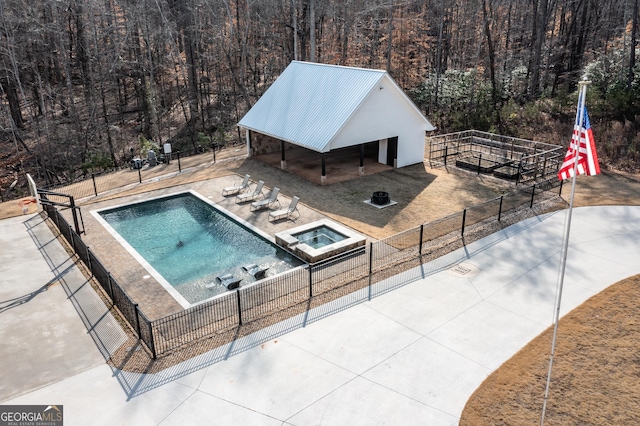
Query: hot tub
<point>319,240</point>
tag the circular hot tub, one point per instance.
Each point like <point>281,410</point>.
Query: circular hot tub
<point>380,198</point>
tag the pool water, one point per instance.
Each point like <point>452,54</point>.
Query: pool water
<point>319,237</point>
<point>189,242</point>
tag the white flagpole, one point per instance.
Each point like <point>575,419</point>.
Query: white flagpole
<point>565,246</point>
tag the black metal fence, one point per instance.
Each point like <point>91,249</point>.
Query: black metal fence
<point>116,293</point>
<point>92,184</point>
<point>521,160</point>
<point>348,272</point>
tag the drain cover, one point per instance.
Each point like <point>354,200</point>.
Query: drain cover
<point>464,270</point>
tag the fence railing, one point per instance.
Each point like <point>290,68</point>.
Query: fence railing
<point>92,184</point>
<point>525,161</point>
<point>349,271</point>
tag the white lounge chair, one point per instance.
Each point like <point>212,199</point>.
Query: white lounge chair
<point>251,195</point>
<point>286,213</point>
<point>232,190</point>
<point>267,202</point>
<point>258,272</point>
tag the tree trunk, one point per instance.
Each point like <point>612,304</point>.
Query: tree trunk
<point>539,35</point>
<point>390,41</point>
<point>491,54</point>
<point>9,89</point>
<point>312,31</point>
<point>294,18</point>
<point>632,53</point>
<point>438,57</point>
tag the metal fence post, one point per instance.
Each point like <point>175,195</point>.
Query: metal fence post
<point>560,190</point>
<point>135,308</point>
<point>179,166</point>
<point>464,218</point>
<point>139,176</point>
<point>533,191</point>
<point>239,307</point>
<point>75,216</point>
<point>500,209</point>
<point>113,302</point>
<point>479,163</point>
<point>95,188</point>
<point>421,234</point>
<point>152,343</point>
<point>446,152</point>
<point>370,258</point>
<point>90,264</point>
<point>310,283</point>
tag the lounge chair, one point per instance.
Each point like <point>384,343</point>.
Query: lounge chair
<point>258,272</point>
<point>286,213</point>
<point>251,195</point>
<point>229,281</point>
<point>267,202</point>
<point>235,189</point>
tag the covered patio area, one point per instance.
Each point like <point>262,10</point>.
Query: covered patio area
<point>339,165</point>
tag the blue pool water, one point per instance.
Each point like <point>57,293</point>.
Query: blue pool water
<point>189,243</point>
<point>319,237</point>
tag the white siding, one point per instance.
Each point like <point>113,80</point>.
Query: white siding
<point>386,113</point>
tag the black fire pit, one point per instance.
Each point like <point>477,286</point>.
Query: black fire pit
<point>380,198</point>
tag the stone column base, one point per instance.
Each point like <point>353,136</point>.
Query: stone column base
<point>361,171</point>
<point>283,164</point>
<point>323,180</point>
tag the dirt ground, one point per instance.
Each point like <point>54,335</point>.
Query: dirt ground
<point>597,369</point>
<point>423,193</point>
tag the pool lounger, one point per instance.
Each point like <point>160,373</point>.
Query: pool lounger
<point>235,189</point>
<point>286,213</point>
<point>267,202</point>
<point>258,272</point>
<point>229,281</point>
<point>251,195</point>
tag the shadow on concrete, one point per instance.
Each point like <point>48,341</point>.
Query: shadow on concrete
<point>5,305</point>
<point>103,328</point>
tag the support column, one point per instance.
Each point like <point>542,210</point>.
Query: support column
<point>247,137</point>
<point>361,169</point>
<point>323,177</point>
<point>283,161</point>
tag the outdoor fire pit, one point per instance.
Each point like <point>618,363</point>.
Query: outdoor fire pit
<point>380,198</point>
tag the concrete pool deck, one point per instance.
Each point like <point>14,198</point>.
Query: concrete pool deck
<point>130,273</point>
<point>410,351</point>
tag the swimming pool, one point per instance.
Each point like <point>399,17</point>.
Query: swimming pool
<point>185,242</point>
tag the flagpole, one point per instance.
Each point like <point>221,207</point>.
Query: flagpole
<point>565,246</point>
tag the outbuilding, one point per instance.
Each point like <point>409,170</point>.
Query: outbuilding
<point>327,108</point>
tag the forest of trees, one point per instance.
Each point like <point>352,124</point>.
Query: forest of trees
<point>84,82</point>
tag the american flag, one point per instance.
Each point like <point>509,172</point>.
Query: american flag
<point>583,144</point>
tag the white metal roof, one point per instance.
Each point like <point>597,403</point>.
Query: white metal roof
<point>310,102</point>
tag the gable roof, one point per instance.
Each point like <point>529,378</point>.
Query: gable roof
<point>309,103</point>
